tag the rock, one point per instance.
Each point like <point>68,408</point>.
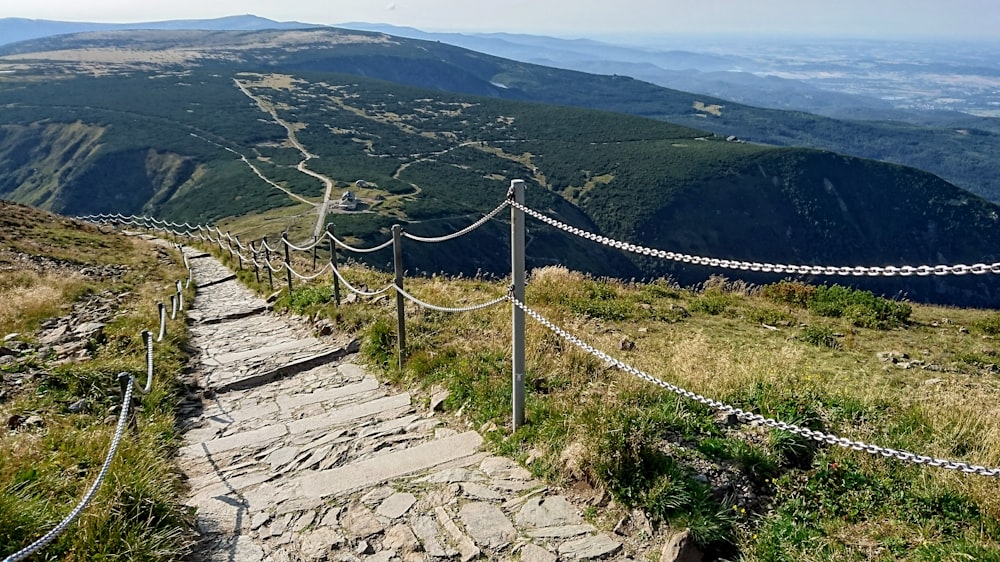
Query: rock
<point>437,400</point>
<point>6,352</point>
<point>401,539</point>
<point>33,421</point>
<point>396,505</point>
<point>324,328</point>
<point>547,511</point>
<point>352,297</point>
<point>10,337</point>
<point>318,543</point>
<point>500,468</point>
<point>681,548</point>
<point>78,406</point>
<point>535,553</point>
<point>626,344</point>
<point>590,548</point>
<point>274,296</point>
<point>364,547</point>
<point>360,522</point>
<point>487,524</point>
<point>930,382</point>
<point>425,528</point>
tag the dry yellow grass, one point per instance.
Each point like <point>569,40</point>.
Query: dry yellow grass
<point>27,297</point>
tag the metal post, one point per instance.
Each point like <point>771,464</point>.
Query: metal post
<point>517,286</point>
<point>315,243</point>
<point>256,270</point>
<point>288,261</point>
<point>180,296</point>
<point>397,260</point>
<point>333,263</point>
<point>239,255</point>
<point>267,258</point>
<point>163,321</point>
<point>173,307</point>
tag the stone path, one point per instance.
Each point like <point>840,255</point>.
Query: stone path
<point>297,453</point>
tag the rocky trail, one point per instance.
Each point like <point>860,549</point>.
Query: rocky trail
<point>295,452</point>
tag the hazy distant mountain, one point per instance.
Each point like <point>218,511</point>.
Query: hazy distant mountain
<point>13,30</point>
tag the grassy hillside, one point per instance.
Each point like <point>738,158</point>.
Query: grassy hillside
<point>74,301</point>
<point>193,144</point>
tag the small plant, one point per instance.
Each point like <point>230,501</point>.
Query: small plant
<point>861,308</point>
<point>789,292</point>
<point>713,301</point>
<point>820,336</point>
<point>990,325</point>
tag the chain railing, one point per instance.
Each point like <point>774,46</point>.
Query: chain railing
<point>518,210</point>
<point>845,271</point>
<point>128,385</point>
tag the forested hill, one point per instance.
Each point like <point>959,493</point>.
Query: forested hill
<point>195,126</point>
<point>960,155</point>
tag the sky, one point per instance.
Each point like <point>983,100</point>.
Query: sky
<point>950,19</point>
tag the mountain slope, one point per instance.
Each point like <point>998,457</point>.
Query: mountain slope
<point>192,139</point>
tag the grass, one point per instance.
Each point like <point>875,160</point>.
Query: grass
<point>45,469</point>
<point>744,491</point>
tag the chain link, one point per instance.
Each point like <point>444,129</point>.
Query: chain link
<point>489,216</point>
<point>845,271</point>
<point>356,291</point>
<point>472,308</point>
<point>350,248</point>
<point>745,416</point>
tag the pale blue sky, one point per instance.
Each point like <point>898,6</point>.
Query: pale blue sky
<point>955,19</point>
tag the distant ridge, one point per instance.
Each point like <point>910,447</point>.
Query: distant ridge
<point>13,30</point>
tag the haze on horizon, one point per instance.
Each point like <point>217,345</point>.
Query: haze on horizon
<point>891,19</point>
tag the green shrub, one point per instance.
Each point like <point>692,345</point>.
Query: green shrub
<point>789,292</point>
<point>990,325</point>
<point>820,336</point>
<point>861,308</point>
<point>712,301</point>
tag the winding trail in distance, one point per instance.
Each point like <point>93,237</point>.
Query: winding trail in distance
<point>306,157</point>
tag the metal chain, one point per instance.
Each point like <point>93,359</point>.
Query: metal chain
<point>306,248</point>
<point>489,216</point>
<point>856,271</point>
<point>350,248</point>
<point>352,289</point>
<point>472,308</point>
<point>58,530</point>
<point>819,436</point>
<point>308,277</point>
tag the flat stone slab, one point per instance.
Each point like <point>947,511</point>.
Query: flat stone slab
<point>487,525</point>
<point>590,548</point>
<point>374,471</point>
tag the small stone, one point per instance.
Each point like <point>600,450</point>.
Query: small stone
<point>10,337</point>
<point>78,406</point>
<point>480,492</point>
<point>396,505</point>
<point>487,524</point>
<point>318,543</point>
<point>680,548</point>
<point>588,548</point>
<point>547,511</point>
<point>500,468</point>
<point>364,548</point>
<point>33,421</point>
<point>259,519</point>
<point>930,382</point>
<point>401,539</point>
<point>360,522</point>
<point>437,400</point>
<point>627,344</point>
<point>534,553</point>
